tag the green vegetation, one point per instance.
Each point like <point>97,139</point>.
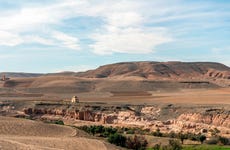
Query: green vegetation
<point>205,147</point>
<point>117,139</point>
<point>100,130</point>
<point>157,133</point>
<point>173,145</point>
<point>115,136</point>
<point>122,136</point>
<point>59,122</point>
<point>136,142</point>
<point>202,138</point>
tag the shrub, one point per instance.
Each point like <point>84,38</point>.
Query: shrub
<point>175,145</point>
<point>157,133</point>
<point>193,137</point>
<point>99,129</point>
<point>172,134</point>
<point>202,138</point>
<point>130,131</point>
<point>59,122</point>
<point>223,140</point>
<point>117,139</point>
<point>182,137</point>
<point>136,143</point>
<point>157,147</point>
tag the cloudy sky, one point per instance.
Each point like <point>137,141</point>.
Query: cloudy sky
<point>74,35</point>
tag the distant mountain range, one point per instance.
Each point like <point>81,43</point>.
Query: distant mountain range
<point>20,74</point>
<point>126,76</point>
<point>160,70</point>
<point>145,70</point>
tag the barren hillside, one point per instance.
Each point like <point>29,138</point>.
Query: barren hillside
<point>161,70</point>
<point>124,77</point>
<point>23,134</point>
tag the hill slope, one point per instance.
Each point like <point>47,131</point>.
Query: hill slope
<point>20,74</point>
<point>130,76</point>
<point>161,70</point>
<point>32,135</point>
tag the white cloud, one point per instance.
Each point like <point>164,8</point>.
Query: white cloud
<point>33,24</point>
<point>128,40</point>
<point>124,19</point>
<point>77,68</point>
<point>38,39</point>
<point>124,30</point>
<point>35,17</point>
<point>67,40</point>
<point>9,39</point>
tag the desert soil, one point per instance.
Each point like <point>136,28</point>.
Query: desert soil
<point>22,134</point>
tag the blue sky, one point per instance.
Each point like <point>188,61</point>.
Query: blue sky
<point>77,35</point>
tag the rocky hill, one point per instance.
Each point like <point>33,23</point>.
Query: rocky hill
<point>146,70</point>
<point>124,77</point>
<point>161,70</point>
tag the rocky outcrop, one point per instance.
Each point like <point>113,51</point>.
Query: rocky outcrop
<point>216,119</point>
<point>218,74</point>
<point>146,116</point>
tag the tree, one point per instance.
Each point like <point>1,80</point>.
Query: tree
<point>92,130</point>
<point>157,147</point>
<point>223,140</point>
<point>136,143</point>
<point>182,137</point>
<point>117,139</point>
<point>202,138</point>
<point>174,145</point>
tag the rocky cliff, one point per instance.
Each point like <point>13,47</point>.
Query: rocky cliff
<point>143,116</point>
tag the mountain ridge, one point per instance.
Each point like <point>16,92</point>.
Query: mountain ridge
<point>144,70</point>
<point>156,70</point>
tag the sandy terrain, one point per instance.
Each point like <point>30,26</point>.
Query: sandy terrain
<point>183,96</point>
<point>192,96</point>
<point>21,134</point>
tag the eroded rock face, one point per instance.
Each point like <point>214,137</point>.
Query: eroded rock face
<point>146,117</point>
<point>208,118</point>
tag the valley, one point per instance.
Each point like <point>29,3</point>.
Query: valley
<point>171,97</point>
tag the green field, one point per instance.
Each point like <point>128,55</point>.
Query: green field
<point>206,147</point>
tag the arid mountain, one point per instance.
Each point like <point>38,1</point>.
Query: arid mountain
<point>124,77</point>
<point>146,70</point>
<point>20,74</point>
<point>161,70</point>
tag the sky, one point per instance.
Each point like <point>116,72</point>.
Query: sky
<point>43,36</point>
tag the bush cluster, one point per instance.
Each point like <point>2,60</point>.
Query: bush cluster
<point>114,136</point>
<point>99,130</point>
<point>218,140</point>
<point>173,145</point>
<point>182,136</point>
